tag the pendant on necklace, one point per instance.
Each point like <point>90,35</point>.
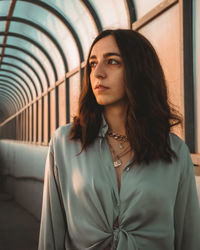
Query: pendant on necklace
<point>121,145</point>
<point>117,163</point>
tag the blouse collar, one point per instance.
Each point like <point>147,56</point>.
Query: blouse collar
<point>104,127</point>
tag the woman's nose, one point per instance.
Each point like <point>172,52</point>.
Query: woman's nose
<point>100,71</point>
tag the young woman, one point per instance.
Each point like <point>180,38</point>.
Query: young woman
<point>117,178</point>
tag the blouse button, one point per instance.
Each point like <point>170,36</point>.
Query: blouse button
<point>127,169</point>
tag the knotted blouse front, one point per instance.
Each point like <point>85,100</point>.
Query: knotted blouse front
<point>156,208</point>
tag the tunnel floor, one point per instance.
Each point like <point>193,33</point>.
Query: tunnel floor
<point>19,230</point>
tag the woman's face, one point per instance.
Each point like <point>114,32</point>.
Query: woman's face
<point>107,72</point>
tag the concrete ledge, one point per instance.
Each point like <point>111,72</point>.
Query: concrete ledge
<point>22,168</point>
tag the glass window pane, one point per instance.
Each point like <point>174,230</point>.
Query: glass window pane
<point>144,6</point>
<point>112,13</point>
<point>19,80</point>
<point>62,103</point>
<point>30,123</point>
<point>27,69</point>
<point>21,55</point>
<point>74,88</point>
<point>168,39</point>
<point>24,125</point>
<point>80,19</point>
<point>27,124</point>
<point>39,120</point>
<point>35,52</point>
<point>52,112</point>
<point>42,39</point>
<point>4,7</point>
<point>55,27</point>
<point>34,122</point>
<point>45,114</point>
<point>22,74</point>
<point>2,28</point>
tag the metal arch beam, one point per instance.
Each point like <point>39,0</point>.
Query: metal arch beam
<point>17,93</point>
<point>7,26</point>
<point>43,30</point>
<point>20,77</point>
<point>14,94</point>
<point>23,71</point>
<point>15,81</point>
<point>28,65</point>
<point>93,14</point>
<point>2,115</point>
<point>11,100</point>
<point>14,87</point>
<point>13,34</point>
<point>131,12</point>
<point>7,107</point>
<point>63,20</point>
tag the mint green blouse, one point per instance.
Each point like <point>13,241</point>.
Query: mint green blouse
<point>157,206</point>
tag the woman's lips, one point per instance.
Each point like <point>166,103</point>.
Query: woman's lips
<point>101,87</point>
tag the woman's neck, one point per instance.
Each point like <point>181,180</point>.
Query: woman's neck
<point>116,118</point>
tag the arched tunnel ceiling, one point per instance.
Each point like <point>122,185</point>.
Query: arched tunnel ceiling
<point>42,40</point>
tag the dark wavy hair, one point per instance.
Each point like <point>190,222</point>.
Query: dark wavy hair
<point>149,115</point>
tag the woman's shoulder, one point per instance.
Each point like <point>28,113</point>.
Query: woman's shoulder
<point>60,141</point>
<point>175,139</point>
<point>180,148</point>
<point>60,135</point>
<point>62,131</point>
<point>177,144</point>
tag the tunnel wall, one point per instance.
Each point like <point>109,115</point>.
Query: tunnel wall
<point>167,24</point>
<point>22,172</point>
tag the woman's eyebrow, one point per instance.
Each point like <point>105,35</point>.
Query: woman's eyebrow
<point>106,55</point>
<point>111,54</point>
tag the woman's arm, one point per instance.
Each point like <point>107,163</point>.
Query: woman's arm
<point>187,211</point>
<point>53,228</point>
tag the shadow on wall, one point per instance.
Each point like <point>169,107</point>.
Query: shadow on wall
<point>22,168</point>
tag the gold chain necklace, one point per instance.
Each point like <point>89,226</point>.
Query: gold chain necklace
<point>117,161</point>
<point>117,137</point>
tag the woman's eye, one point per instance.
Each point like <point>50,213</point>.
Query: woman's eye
<point>112,61</point>
<point>92,64</point>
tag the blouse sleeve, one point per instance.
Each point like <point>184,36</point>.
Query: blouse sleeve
<point>187,211</point>
<point>53,227</point>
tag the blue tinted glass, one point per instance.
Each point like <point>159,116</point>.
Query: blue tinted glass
<point>55,27</point>
<point>112,13</point>
<point>4,7</point>
<point>80,19</point>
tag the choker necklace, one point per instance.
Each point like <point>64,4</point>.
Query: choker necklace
<point>121,138</point>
